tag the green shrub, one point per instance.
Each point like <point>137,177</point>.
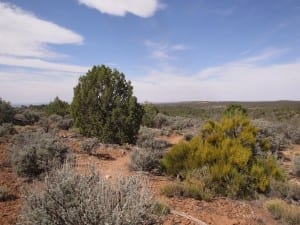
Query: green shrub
<point>173,190</point>
<point>288,214</point>
<point>36,152</point>
<point>104,106</point>
<point>188,190</point>
<point>188,137</point>
<point>174,162</point>
<point>161,120</point>
<point>3,193</point>
<point>54,118</point>
<point>274,132</point>
<point>161,209</point>
<point>145,134</point>
<point>294,191</point>
<point>155,144</point>
<point>58,107</point>
<point>280,134</point>
<point>147,139</point>
<point>7,112</point>
<point>65,124</point>
<point>285,190</point>
<point>229,150</point>
<point>175,122</point>
<point>234,109</point>
<point>56,121</point>
<point>26,117</point>
<point>69,198</point>
<point>145,160</point>
<point>198,185</point>
<point>150,112</point>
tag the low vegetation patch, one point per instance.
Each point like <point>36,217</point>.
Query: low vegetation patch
<point>150,112</point>
<point>296,165</point>
<point>69,198</point>
<point>289,191</point>
<point>287,214</point>
<point>198,185</point>
<point>26,117</point>
<point>89,145</point>
<point>3,193</point>
<point>147,139</point>
<point>6,128</point>
<point>36,152</point>
<point>145,160</point>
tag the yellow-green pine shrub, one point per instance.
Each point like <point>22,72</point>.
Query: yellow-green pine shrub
<point>228,149</point>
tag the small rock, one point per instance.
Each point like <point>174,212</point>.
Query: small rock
<point>107,177</point>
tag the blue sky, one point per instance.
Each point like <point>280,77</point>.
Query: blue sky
<point>243,50</point>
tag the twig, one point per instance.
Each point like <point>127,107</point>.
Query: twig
<point>182,214</point>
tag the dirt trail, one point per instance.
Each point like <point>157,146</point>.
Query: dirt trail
<point>9,210</point>
<point>287,163</point>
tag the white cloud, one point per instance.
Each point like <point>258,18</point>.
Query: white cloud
<point>243,80</point>
<point>23,34</point>
<point>266,55</point>
<point>36,87</point>
<point>28,75</point>
<point>163,50</point>
<point>142,8</point>
<point>178,47</point>
<point>41,64</point>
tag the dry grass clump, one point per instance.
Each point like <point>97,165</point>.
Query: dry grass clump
<point>3,194</point>
<point>297,165</point>
<point>72,199</point>
<point>288,191</point>
<point>288,214</point>
<point>198,185</point>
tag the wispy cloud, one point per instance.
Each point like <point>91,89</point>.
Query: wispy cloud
<point>41,64</point>
<point>266,55</point>
<point>23,34</point>
<point>163,50</point>
<point>29,72</point>
<point>35,87</point>
<point>25,38</point>
<point>245,80</point>
<point>142,8</point>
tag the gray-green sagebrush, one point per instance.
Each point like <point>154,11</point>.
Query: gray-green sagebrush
<point>72,199</point>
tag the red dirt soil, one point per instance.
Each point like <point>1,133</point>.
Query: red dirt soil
<point>114,161</point>
<point>10,209</point>
<point>220,211</point>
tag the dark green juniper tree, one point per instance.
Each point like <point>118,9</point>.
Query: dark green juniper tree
<point>58,107</point>
<point>104,106</point>
<point>7,112</point>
